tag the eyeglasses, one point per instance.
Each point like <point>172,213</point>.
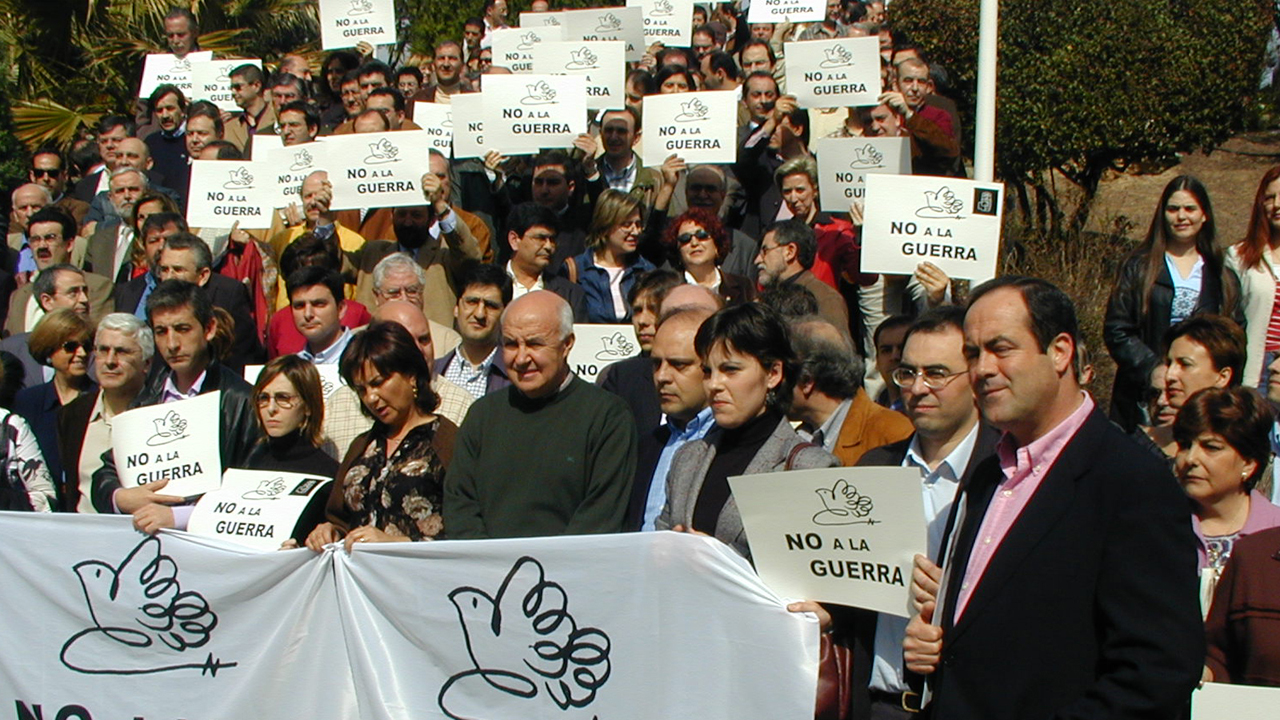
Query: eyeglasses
<point>45,172</point>
<point>413,291</point>
<point>48,238</point>
<point>284,401</point>
<point>933,378</point>
<point>686,238</point>
<point>71,346</point>
<point>237,86</point>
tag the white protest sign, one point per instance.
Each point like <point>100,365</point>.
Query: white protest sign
<point>175,441</point>
<point>291,165</point>
<point>378,170</point>
<point>700,127</point>
<point>1219,701</point>
<point>602,63</point>
<point>224,192</point>
<point>467,113</point>
<point>344,23</point>
<point>796,11</point>
<point>612,23</point>
<point>436,120</point>
<point>330,378</point>
<point>841,535</point>
<point>539,19</point>
<point>211,80</point>
<point>513,47</point>
<point>834,73</point>
<point>596,346</point>
<point>166,69</point>
<point>952,223</point>
<point>525,113</point>
<point>669,22</point>
<point>844,163</point>
<point>255,508</point>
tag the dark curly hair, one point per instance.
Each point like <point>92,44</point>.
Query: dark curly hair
<point>709,222</point>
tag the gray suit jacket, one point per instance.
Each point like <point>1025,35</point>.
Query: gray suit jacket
<point>693,459</point>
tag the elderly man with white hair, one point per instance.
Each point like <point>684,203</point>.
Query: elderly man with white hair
<point>551,454</point>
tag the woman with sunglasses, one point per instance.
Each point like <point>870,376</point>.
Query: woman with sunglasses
<point>61,341</point>
<point>697,244</point>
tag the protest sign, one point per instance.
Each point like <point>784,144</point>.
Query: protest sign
<point>524,113</point>
<point>211,80</point>
<point>841,535</point>
<point>166,69</point>
<point>669,22</point>
<point>291,165</point>
<point>467,112</point>
<point>539,19</point>
<point>1220,701</point>
<point>834,73</point>
<point>952,223</point>
<point>231,633</point>
<point>255,508</point>
<point>376,170</point>
<point>224,192</point>
<point>436,120</point>
<point>513,47</point>
<point>700,127</point>
<point>610,23</point>
<point>795,11</point>
<point>597,346</point>
<point>344,23</point>
<point>844,163</point>
<point>174,441</point>
<point>603,64</point>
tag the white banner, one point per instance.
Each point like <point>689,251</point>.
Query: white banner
<point>609,23</point>
<point>834,73</point>
<point>844,163</point>
<point>525,113</point>
<point>539,19</point>
<point>841,535</point>
<point>1218,701</point>
<point>175,441</point>
<point>224,192</point>
<point>796,11</point>
<point>118,625</point>
<point>343,23</point>
<point>436,120</point>
<point>700,127</point>
<point>378,170</point>
<point>597,346</point>
<point>952,223</point>
<point>211,80</point>
<point>290,165</point>
<point>255,508</point>
<point>513,47</point>
<point>669,22</point>
<point>603,64</point>
<point>467,113</point>
<point>330,378</point>
<point>166,69</point>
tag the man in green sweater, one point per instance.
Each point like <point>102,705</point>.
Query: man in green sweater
<point>549,455</point>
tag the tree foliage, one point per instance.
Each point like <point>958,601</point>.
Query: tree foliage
<point>1084,88</point>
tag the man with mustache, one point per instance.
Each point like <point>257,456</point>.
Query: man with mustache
<point>52,235</point>
<point>316,193</point>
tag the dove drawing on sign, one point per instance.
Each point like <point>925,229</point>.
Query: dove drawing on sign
<point>616,347</point>
<point>522,641</point>
<point>836,56</point>
<point>941,204</point>
<point>867,156</point>
<point>360,7</point>
<point>142,620</point>
<point>581,59</point>
<point>528,40</point>
<point>540,93</point>
<point>695,109</point>
<point>382,152</point>
<point>843,505</point>
<point>170,428</point>
<point>224,73</point>
<point>608,23</point>
<point>267,490</point>
<point>240,179</point>
<point>662,7</point>
<point>301,160</point>
<point>181,66</point>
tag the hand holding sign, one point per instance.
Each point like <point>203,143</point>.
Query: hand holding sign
<point>922,647</point>
<point>129,500</point>
<point>433,191</point>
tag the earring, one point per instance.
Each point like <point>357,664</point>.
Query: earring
<point>415,391</point>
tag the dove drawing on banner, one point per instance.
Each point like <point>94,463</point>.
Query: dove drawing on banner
<point>528,40</point>
<point>522,641</point>
<point>360,7</point>
<point>581,59</point>
<point>837,56</point>
<point>867,156</point>
<point>382,152</point>
<point>143,621</point>
<point>267,490</point>
<point>540,93</point>
<point>941,204</point>
<point>616,347</point>
<point>843,505</point>
<point>240,179</point>
<point>695,109</point>
<point>170,428</point>
<point>608,23</point>
<point>662,7</point>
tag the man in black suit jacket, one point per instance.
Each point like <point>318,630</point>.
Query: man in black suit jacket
<point>533,233</point>
<point>1070,586</point>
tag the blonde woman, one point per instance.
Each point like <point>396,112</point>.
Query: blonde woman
<point>610,265</point>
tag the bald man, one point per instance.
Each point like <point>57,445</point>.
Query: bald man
<point>27,200</point>
<point>690,296</point>
<point>551,454</point>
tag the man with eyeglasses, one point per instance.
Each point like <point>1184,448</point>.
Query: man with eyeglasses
<point>532,234</point>
<point>786,255</point>
<point>52,235</point>
<point>58,286</point>
<point>948,443</point>
<point>398,277</point>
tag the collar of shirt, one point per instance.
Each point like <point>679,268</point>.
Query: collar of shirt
<point>331,354</point>
<point>952,466</point>
<point>626,177</point>
<point>325,231</point>
<point>177,133</point>
<point>101,413</point>
<point>537,284</point>
<point>1035,458</point>
<point>171,392</point>
<point>696,428</point>
<point>831,428</point>
<point>483,367</point>
<point>714,288</point>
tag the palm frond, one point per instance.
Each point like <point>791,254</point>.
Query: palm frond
<point>46,122</point>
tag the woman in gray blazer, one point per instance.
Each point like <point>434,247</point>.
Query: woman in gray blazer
<point>750,369</point>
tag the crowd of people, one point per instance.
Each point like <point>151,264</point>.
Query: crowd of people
<point>1079,561</point>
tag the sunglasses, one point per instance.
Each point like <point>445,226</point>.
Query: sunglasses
<point>45,172</point>
<point>687,238</point>
<point>71,346</point>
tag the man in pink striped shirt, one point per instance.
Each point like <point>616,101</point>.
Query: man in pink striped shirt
<point>1070,586</point>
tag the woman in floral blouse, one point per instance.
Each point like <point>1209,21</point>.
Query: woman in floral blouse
<point>390,485</point>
